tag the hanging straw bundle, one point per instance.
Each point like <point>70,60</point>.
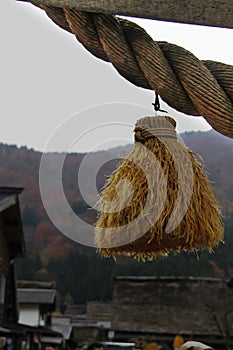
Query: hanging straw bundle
<point>158,200</point>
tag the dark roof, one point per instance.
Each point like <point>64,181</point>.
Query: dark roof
<point>36,284</point>
<point>170,305</point>
<point>4,330</point>
<point>36,296</point>
<point>99,310</point>
<point>23,329</point>
<point>143,279</point>
<point>6,201</point>
<point>11,219</point>
<point>8,196</point>
<point>11,190</point>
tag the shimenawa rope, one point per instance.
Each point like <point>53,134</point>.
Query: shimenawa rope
<point>185,83</point>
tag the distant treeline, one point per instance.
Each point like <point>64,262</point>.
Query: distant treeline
<point>83,275</point>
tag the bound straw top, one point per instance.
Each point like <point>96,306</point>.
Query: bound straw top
<point>154,127</point>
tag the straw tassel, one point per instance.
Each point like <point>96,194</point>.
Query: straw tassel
<point>159,200</point>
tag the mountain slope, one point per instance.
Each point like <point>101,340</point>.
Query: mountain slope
<point>20,167</point>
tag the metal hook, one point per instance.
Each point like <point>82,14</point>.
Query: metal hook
<point>157,104</point>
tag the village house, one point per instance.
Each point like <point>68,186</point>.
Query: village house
<point>11,246</point>
<point>83,324</point>
<point>36,302</point>
<point>63,325</point>
<point>198,309</point>
<point>25,334</point>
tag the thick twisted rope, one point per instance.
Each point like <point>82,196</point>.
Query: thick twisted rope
<point>184,82</point>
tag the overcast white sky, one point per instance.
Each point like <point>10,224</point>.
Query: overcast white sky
<point>47,76</point>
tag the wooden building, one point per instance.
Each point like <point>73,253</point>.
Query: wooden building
<point>14,335</point>
<point>162,307</point>
<point>99,310</point>
<point>37,300</point>
<point>11,246</point>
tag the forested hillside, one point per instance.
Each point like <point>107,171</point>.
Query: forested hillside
<point>79,272</point>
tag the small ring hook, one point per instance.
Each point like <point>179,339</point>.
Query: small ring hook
<point>156,104</point>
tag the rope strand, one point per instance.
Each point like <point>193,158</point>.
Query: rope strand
<point>191,86</point>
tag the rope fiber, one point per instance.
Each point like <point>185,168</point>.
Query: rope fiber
<point>191,86</point>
